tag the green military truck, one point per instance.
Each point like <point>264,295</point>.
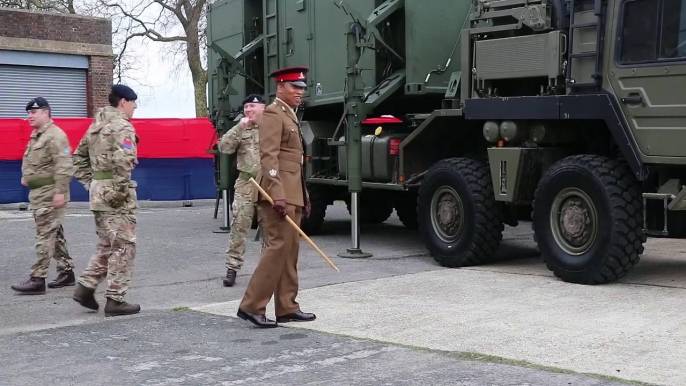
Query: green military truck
<point>461,115</point>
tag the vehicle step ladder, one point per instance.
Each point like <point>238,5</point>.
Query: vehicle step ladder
<point>599,24</point>
<point>666,198</point>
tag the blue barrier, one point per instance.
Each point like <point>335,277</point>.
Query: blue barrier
<point>159,179</point>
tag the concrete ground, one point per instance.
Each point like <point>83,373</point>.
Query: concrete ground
<point>501,324</point>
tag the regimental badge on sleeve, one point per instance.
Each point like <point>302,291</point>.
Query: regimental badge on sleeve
<point>127,144</point>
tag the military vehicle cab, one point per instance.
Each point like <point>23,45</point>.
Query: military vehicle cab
<point>470,115</point>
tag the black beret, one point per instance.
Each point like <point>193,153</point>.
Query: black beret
<point>124,92</point>
<point>37,103</point>
<point>254,98</point>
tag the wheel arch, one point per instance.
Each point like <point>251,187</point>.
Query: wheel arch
<point>442,135</point>
<point>565,109</point>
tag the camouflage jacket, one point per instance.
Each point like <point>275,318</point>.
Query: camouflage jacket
<point>246,143</point>
<point>47,165</point>
<point>104,160</point>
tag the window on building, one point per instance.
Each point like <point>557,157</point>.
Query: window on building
<point>653,30</point>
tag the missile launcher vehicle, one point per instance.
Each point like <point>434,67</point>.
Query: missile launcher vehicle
<point>465,116</point>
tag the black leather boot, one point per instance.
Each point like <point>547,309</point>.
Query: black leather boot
<point>64,279</point>
<point>33,286</point>
<point>258,320</point>
<point>230,278</point>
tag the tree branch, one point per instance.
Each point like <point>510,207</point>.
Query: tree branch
<point>179,24</point>
<point>149,33</point>
<point>176,11</point>
<point>61,6</point>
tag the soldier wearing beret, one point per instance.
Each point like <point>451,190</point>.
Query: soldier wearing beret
<point>281,159</point>
<point>243,139</point>
<point>104,159</point>
<point>46,171</point>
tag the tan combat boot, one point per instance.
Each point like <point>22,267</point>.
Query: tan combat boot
<point>85,297</point>
<point>115,308</point>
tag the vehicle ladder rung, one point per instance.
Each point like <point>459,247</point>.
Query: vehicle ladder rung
<point>583,55</point>
<point>583,85</point>
<point>584,25</point>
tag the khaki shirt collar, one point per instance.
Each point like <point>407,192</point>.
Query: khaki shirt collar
<point>36,132</point>
<point>292,110</point>
<point>285,104</point>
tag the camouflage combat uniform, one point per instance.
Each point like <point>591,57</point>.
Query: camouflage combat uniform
<point>246,143</point>
<point>47,168</point>
<point>104,161</point>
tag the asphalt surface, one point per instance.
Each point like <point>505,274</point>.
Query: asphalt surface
<point>180,263</point>
<point>188,348</point>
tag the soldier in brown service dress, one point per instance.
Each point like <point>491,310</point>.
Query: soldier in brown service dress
<point>281,158</point>
<point>46,171</point>
<point>104,159</point>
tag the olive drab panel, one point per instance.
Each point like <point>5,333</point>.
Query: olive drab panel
<point>236,29</point>
<point>272,44</point>
<point>296,34</point>
<point>327,73</point>
<point>648,72</point>
<point>288,36</point>
<point>428,50</point>
<point>294,30</point>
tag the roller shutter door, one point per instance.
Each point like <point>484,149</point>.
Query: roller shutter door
<point>64,88</point>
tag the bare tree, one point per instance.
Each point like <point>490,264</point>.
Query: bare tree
<point>179,24</point>
<point>62,6</point>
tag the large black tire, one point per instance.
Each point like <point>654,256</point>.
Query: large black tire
<point>406,209</point>
<point>319,201</point>
<point>449,185</point>
<point>587,219</point>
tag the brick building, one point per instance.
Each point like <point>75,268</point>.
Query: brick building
<point>65,58</point>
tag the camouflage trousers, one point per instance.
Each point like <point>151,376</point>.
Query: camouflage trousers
<point>243,209</point>
<point>115,254</point>
<point>50,242</point>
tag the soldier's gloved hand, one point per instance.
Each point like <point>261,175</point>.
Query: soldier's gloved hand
<point>307,209</point>
<point>120,198</point>
<point>280,207</point>
<point>115,199</point>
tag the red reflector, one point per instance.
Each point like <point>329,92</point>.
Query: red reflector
<point>381,120</point>
<point>395,147</point>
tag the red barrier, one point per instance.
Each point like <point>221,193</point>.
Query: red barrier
<point>159,138</point>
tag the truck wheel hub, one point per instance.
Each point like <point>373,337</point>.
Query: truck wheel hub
<point>574,221</point>
<point>447,215</point>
